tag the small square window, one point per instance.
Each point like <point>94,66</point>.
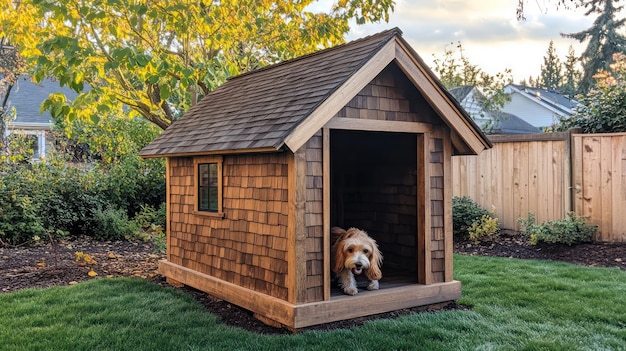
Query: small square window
<point>207,187</point>
<point>208,190</point>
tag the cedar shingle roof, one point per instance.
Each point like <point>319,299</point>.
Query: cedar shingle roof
<point>257,111</point>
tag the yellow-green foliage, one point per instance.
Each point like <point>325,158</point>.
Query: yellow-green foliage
<point>570,230</point>
<point>486,227</point>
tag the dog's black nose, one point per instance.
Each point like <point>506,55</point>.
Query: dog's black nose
<point>358,265</point>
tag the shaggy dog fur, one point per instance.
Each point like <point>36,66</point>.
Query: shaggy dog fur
<point>354,252</point>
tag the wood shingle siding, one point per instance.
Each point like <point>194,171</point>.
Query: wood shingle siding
<point>249,246</point>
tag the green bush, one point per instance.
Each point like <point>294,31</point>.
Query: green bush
<point>113,224</point>
<point>603,108</point>
<point>132,182</point>
<point>151,223</point>
<point>571,230</point>
<point>66,196</point>
<point>149,216</point>
<point>97,198</point>
<point>487,227</point>
<point>465,212</point>
<point>19,222</point>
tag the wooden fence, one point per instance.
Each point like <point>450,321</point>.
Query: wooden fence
<point>550,175</point>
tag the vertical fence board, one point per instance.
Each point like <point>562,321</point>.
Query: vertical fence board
<point>618,191</point>
<point>508,211</point>
<point>577,172</point>
<point>606,171</point>
<point>592,205</point>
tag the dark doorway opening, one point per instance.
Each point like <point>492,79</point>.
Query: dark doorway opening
<point>374,188</point>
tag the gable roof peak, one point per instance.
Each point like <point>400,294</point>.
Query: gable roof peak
<point>383,37</point>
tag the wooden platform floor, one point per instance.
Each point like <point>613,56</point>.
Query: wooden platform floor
<point>389,281</point>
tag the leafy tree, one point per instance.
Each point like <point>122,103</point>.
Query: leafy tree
<point>603,38</point>
<point>106,141</point>
<point>551,75</point>
<point>158,57</point>
<point>455,70</point>
<point>604,107</point>
<point>572,75</point>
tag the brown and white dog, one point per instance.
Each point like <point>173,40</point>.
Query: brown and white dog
<point>354,252</point>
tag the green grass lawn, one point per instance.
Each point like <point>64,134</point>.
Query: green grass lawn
<point>516,305</point>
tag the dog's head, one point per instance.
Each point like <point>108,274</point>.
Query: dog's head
<point>358,252</point>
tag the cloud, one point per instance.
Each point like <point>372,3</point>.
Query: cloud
<point>491,36</point>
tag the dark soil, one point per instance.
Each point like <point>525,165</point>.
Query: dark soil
<point>56,265</point>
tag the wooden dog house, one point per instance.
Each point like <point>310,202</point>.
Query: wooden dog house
<point>359,135</point>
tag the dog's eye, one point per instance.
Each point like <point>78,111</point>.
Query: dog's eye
<point>366,250</point>
<point>350,250</point>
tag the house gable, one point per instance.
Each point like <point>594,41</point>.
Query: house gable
<point>467,138</point>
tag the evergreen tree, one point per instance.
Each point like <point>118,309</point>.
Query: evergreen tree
<point>603,39</point>
<point>572,75</point>
<point>551,75</point>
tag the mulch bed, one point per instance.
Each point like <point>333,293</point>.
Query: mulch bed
<point>510,244</point>
<point>56,265</point>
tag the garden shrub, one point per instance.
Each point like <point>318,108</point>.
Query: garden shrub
<point>151,217</point>
<point>59,196</point>
<point>19,222</point>
<point>467,215</point>
<point>113,224</point>
<point>571,230</point>
<point>487,227</point>
<point>151,223</point>
<point>132,182</point>
<point>66,195</point>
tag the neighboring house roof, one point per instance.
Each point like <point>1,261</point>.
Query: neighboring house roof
<point>507,123</point>
<point>27,96</point>
<point>529,109</point>
<point>462,92</point>
<point>283,105</point>
<point>472,101</point>
<point>550,98</point>
<point>537,106</point>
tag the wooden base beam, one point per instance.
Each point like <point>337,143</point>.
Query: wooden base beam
<point>338,308</point>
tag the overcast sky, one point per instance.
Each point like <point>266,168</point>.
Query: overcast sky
<point>491,36</point>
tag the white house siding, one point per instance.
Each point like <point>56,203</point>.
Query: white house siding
<point>531,112</point>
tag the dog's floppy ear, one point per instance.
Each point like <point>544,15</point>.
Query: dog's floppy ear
<point>376,261</point>
<point>339,256</point>
<point>337,236</point>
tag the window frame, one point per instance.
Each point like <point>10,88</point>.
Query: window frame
<point>196,176</point>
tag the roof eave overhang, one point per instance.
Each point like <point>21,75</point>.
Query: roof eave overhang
<point>212,152</point>
<point>426,82</point>
<point>28,125</point>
